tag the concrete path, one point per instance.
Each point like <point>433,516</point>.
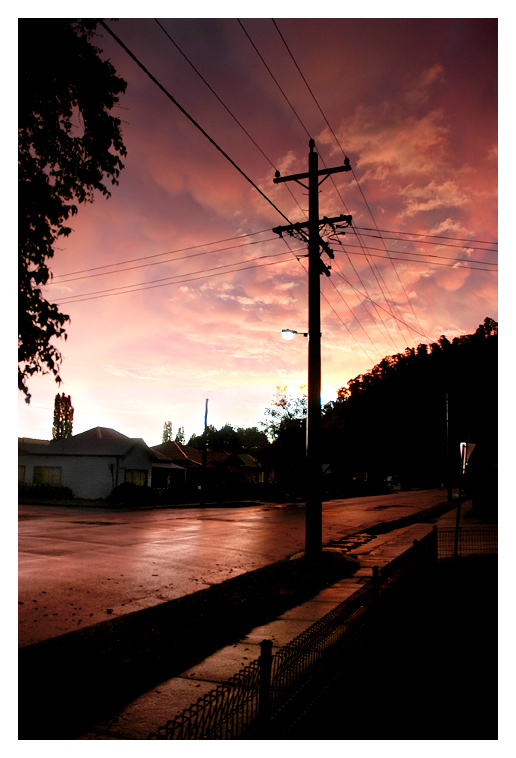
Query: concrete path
<point>154,708</point>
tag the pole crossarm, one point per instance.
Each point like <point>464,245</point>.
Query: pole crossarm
<point>322,172</point>
<point>291,228</point>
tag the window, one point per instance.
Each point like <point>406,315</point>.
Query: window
<point>136,476</point>
<point>47,475</point>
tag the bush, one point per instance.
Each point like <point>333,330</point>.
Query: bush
<point>44,492</point>
<point>131,494</point>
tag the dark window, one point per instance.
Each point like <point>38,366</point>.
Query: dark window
<point>136,476</point>
<point>47,475</point>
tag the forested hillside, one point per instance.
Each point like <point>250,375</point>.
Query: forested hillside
<point>408,415</point>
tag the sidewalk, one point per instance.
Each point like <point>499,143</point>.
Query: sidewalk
<point>154,708</point>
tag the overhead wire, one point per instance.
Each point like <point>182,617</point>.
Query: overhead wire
<point>364,296</point>
<point>218,148</point>
<point>345,156</point>
<point>158,255</point>
<point>158,263</point>
<point>100,270</point>
<point>242,127</point>
<point>379,315</point>
<point>190,118</point>
<point>330,280</point>
<point>166,281</point>
<point>434,236</point>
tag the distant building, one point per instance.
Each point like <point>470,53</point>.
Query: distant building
<point>223,468</point>
<point>92,463</point>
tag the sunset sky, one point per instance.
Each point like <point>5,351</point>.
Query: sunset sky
<point>176,286</point>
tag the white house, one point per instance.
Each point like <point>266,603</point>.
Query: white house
<point>93,463</point>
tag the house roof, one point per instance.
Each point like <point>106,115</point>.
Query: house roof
<point>182,454</point>
<point>27,444</point>
<point>99,441</point>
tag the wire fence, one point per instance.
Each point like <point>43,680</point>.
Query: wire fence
<point>267,695</point>
<point>467,541</point>
<point>258,697</point>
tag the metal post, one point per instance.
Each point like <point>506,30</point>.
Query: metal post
<point>264,703</point>
<point>313,546</point>
<point>376,582</point>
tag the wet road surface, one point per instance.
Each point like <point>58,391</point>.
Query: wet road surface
<point>79,566</point>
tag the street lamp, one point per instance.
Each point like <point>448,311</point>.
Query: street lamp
<point>288,334</point>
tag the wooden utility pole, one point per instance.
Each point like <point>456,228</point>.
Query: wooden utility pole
<point>204,457</point>
<point>316,267</point>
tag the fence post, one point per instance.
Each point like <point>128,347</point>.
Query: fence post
<point>264,702</point>
<point>376,583</point>
<point>435,546</point>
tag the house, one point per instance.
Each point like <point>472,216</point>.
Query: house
<point>93,463</point>
<point>222,467</point>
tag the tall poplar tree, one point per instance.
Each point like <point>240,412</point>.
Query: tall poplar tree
<point>167,432</point>
<point>63,417</point>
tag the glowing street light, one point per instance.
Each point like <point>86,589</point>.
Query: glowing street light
<point>288,334</point>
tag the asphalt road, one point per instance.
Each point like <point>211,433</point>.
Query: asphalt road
<point>79,566</point>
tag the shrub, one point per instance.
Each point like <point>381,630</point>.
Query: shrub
<point>44,492</point>
<point>131,494</point>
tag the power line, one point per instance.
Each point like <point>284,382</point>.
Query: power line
<point>361,294</point>
<point>274,78</point>
<point>167,252</point>
<point>413,252</point>
<point>430,263</point>
<point>354,316</point>
<point>434,236</point>
<point>194,276</point>
<point>429,242</point>
<point>159,263</point>
<point>343,153</point>
<point>308,133</point>
<point>190,118</point>
<point>224,106</point>
<point>307,85</point>
<point>60,278</point>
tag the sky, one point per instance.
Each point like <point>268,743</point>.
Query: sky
<point>178,289</point>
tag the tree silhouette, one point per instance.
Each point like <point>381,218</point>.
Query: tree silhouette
<point>68,145</point>
<point>285,412</point>
<point>167,431</point>
<point>393,419</point>
<point>180,436</point>
<point>63,417</point>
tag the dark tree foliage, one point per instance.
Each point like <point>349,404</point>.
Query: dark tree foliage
<point>63,417</point>
<point>69,147</point>
<point>217,440</point>
<point>285,426</point>
<point>227,439</point>
<point>180,436</point>
<point>285,412</point>
<point>408,415</point>
<point>252,440</point>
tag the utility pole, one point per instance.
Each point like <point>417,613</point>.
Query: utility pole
<point>204,457</point>
<point>316,267</point>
